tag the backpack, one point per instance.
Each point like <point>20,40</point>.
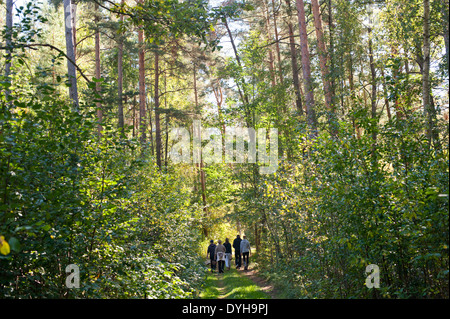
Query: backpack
<point>220,256</point>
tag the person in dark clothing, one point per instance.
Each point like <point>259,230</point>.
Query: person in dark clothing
<point>228,253</point>
<point>212,254</point>
<point>237,251</point>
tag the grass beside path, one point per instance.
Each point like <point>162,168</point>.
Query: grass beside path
<point>231,285</point>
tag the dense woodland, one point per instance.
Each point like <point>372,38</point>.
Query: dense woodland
<point>89,93</point>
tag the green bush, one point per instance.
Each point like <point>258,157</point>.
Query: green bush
<point>70,197</point>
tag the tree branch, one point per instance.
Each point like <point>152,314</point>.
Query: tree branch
<point>100,4</point>
<point>33,45</point>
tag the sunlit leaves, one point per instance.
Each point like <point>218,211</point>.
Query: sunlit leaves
<point>71,197</point>
<point>4,246</point>
<point>162,20</point>
<point>334,213</point>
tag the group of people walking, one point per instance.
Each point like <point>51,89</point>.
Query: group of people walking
<point>220,255</point>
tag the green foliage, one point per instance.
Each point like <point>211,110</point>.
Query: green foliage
<point>337,203</point>
<point>163,20</point>
<point>336,212</point>
<point>69,197</point>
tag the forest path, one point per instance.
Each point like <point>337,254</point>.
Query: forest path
<point>263,284</point>
<point>237,284</point>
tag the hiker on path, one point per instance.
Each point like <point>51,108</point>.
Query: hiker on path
<point>245,250</point>
<point>237,251</point>
<point>228,253</point>
<point>220,255</point>
<point>211,253</point>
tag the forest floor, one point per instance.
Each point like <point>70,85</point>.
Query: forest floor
<point>237,284</point>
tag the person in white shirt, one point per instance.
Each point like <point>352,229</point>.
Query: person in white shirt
<point>245,251</point>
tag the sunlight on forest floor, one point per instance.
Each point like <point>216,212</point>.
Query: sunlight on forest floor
<point>231,285</point>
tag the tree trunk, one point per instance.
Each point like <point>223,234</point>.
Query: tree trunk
<point>324,62</point>
<point>426,64</point>
<point>74,28</point>
<point>398,112</point>
<point>157,117</point>
<point>219,99</point>
<point>385,93</point>
<point>200,166</point>
<point>331,52</point>
<point>269,39</point>
<point>142,121</point>
<point>428,107</point>
<point>195,87</point>
<point>70,51</point>
<point>150,121</point>
<point>203,185</point>
<point>277,45</point>
<point>351,83</point>
<point>373,97</point>
<point>166,145</point>
<point>8,37</point>
<point>135,125</point>
<point>242,93</point>
<point>444,9</point>
<point>98,70</point>
<point>120,78</point>
<point>294,65</point>
<point>323,57</point>
<point>306,67</point>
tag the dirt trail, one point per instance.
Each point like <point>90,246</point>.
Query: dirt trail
<point>261,282</point>
<point>221,288</point>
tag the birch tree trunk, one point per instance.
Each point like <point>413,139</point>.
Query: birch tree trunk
<point>277,44</point>
<point>70,51</point>
<point>428,106</point>
<point>74,28</point>
<point>445,19</point>
<point>218,94</point>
